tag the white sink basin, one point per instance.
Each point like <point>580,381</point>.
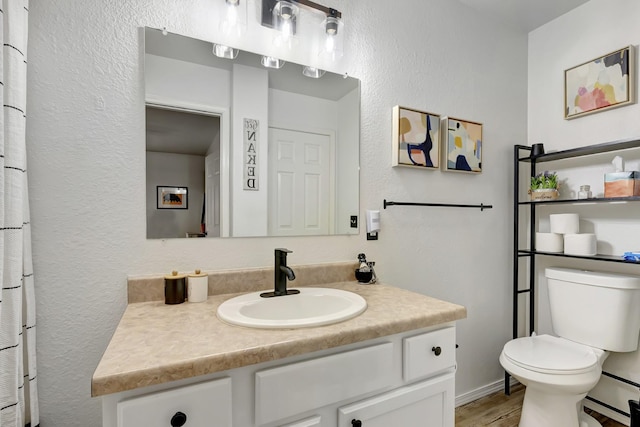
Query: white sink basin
<point>311,307</point>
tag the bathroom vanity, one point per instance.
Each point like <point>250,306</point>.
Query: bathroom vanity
<point>178,365</point>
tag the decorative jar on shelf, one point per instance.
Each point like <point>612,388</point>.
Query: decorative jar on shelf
<point>585,192</point>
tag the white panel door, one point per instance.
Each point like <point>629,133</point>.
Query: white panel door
<point>299,183</point>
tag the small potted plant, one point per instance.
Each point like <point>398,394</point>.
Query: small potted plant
<point>544,186</point>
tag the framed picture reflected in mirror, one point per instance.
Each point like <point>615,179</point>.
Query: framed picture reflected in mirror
<point>169,197</point>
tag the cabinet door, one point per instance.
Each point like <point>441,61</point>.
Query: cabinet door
<point>205,404</point>
<point>429,404</point>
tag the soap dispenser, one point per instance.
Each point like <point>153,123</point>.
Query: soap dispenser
<point>364,272</point>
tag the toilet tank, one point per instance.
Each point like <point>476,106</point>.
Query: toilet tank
<point>598,309</point>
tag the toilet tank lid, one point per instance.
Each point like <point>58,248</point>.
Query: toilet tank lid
<point>594,278</point>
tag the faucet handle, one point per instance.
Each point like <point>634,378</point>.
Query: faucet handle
<point>283,250</point>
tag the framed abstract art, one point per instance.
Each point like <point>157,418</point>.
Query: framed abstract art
<point>600,84</point>
<point>462,145</point>
<point>416,136</point>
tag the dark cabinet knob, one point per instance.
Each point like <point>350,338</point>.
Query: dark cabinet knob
<point>179,419</point>
<point>437,350</point>
<point>356,423</point>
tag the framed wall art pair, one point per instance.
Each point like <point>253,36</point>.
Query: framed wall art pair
<point>427,140</point>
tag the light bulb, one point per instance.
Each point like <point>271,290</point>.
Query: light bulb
<point>287,29</point>
<point>330,44</point>
<point>232,15</point>
<point>286,12</point>
<point>331,26</point>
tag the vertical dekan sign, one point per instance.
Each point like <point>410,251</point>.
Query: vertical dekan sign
<point>251,141</point>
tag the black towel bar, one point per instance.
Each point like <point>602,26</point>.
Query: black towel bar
<point>481,206</point>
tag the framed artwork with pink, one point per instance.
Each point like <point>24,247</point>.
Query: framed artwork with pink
<point>600,84</point>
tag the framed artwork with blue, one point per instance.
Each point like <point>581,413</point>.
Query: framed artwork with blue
<point>416,136</point>
<point>462,145</point>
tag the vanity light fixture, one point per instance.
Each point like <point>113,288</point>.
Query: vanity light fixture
<point>222,51</point>
<point>271,62</point>
<point>313,72</point>
<point>282,16</point>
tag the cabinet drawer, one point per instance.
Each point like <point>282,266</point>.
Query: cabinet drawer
<point>204,404</point>
<point>427,403</point>
<point>429,353</point>
<point>293,389</point>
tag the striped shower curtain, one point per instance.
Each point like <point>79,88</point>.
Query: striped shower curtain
<point>18,389</point>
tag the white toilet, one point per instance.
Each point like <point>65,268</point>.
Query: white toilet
<point>592,313</point>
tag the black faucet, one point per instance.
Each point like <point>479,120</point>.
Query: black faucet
<point>282,273</point>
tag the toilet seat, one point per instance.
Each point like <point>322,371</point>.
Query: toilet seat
<point>550,355</point>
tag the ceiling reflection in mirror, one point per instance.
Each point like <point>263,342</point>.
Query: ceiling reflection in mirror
<point>260,151</point>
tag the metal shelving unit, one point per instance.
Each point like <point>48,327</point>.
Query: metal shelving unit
<point>530,253</point>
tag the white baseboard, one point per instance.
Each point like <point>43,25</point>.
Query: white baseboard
<point>483,391</point>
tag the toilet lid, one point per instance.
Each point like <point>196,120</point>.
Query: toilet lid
<point>549,354</point>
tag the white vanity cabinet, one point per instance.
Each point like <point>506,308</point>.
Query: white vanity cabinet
<point>398,380</point>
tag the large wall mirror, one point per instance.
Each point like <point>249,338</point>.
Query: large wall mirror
<point>236,149</point>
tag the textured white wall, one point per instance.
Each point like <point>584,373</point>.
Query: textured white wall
<point>86,141</point>
<point>591,30</point>
<point>594,29</point>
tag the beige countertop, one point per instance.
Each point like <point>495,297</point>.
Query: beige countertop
<point>156,343</point>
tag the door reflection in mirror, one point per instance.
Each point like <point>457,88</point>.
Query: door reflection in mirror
<point>194,162</point>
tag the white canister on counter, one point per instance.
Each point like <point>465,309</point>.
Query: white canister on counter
<point>198,286</point>
<point>564,223</point>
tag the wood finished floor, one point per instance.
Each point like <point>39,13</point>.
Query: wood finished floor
<point>498,410</point>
